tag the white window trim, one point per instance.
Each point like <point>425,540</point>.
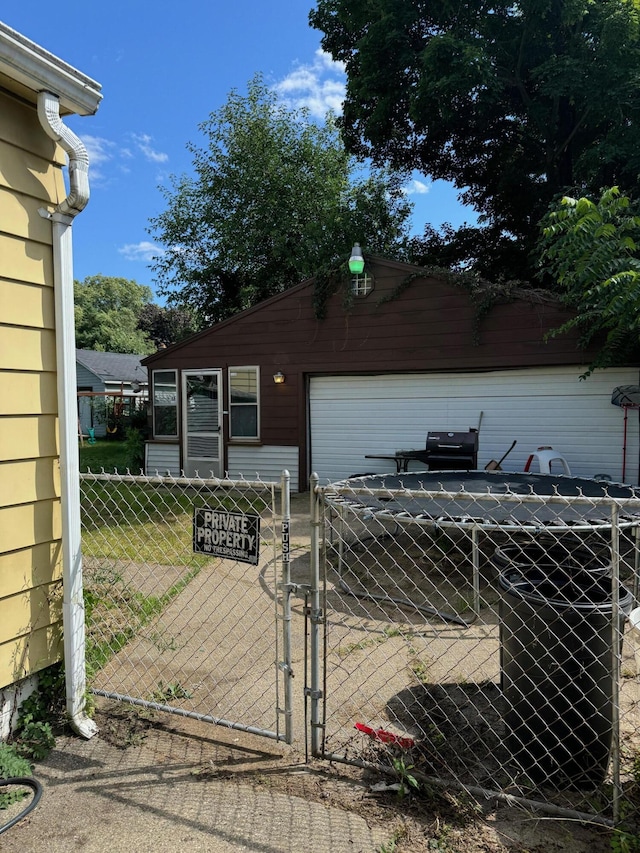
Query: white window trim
<point>247,438</point>
<point>362,284</point>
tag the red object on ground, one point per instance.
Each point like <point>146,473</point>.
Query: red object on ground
<point>386,737</point>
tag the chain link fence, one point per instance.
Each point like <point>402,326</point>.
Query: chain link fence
<point>482,636</point>
<point>183,597</point>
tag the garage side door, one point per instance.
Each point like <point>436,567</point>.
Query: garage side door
<point>351,416</point>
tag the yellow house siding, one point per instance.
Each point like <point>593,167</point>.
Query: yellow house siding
<point>20,481</point>
<point>28,437</point>
<point>27,305</point>
<point>27,394</point>
<point>29,653</point>
<point>20,127</point>
<point>25,261</point>
<point>30,610</point>
<point>29,524</point>
<point>30,177</point>
<point>30,518</point>
<point>30,567</point>
<point>19,213</point>
<point>27,349</point>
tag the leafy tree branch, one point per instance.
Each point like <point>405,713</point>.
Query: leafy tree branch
<point>591,248</point>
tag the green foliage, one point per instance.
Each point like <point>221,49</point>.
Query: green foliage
<point>35,738</point>
<point>592,251</point>
<point>12,764</point>
<point>134,443</point>
<point>406,777</point>
<point>623,841</point>
<point>166,326</point>
<point>107,311</point>
<point>515,103</point>
<point>170,692</point>
<point>136,433</point>
<point>38,713</point>
<point>274,198</point>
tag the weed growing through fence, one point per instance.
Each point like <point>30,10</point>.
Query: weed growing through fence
<point>162,643</point>
<point>406,778</point>
<point>625,837</point>
<point>170,692</point>
<point>388,632</point>
<point>345,651</point>
<point>420,669</point>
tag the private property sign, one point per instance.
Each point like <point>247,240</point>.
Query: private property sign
<point>231,535</point>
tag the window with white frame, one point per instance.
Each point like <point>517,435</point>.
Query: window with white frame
<point>244,422</point>
<point>165,404</point>
<point>362,284</point>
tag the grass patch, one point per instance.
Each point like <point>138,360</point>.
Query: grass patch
<point>105,454</point>
<point>149,523</point>
<point>115,613</point>
<point>134,534</point>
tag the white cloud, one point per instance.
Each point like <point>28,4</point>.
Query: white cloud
<point>107,156</point>
<point>100,151</point>
<point>416,187</point>
<point>143,142</point>
<point>142,251</point>
<point>320,86</point>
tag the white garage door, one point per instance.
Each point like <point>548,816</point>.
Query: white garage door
<point>352,416</point>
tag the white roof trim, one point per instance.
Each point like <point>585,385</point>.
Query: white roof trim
<point>38,70</point>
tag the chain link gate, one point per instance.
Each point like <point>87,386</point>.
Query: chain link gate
<point>485,639</point>
<point>187,597</point>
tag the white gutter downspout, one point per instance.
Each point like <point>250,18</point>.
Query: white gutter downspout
<point>62,220</point>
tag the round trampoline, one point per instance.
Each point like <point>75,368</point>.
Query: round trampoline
<point>490,499</point>
<point>478,502</point>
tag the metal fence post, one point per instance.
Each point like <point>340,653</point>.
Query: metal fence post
<point>285,665</point>
<point>315,692</point>
<point>615,661</point>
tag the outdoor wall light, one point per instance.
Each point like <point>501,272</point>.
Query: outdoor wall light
<point>356,261</point>
<point>279,378</point>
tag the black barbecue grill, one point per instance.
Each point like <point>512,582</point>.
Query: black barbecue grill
<point>444,451</point>
<point>449,451</point>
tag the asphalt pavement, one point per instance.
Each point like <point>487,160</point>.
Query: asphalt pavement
<point>195,787</point>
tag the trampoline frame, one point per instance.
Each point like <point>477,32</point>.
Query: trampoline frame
<point>340,496</point>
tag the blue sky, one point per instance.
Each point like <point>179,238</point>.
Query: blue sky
<point>163,68</point>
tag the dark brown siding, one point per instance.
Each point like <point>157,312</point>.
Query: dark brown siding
<point>430,326</point>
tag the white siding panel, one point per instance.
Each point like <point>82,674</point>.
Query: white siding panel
<point>264,463</point>
<point>162,459</point>
<point>352,416</point>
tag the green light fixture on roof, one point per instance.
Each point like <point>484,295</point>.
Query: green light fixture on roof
<point>356,261</point>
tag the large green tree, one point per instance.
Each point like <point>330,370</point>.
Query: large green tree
<point>592,249</point>
<point>165,326</point>
<point>273,198</point>
<point>107,311</point>
<point>515,103</point>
